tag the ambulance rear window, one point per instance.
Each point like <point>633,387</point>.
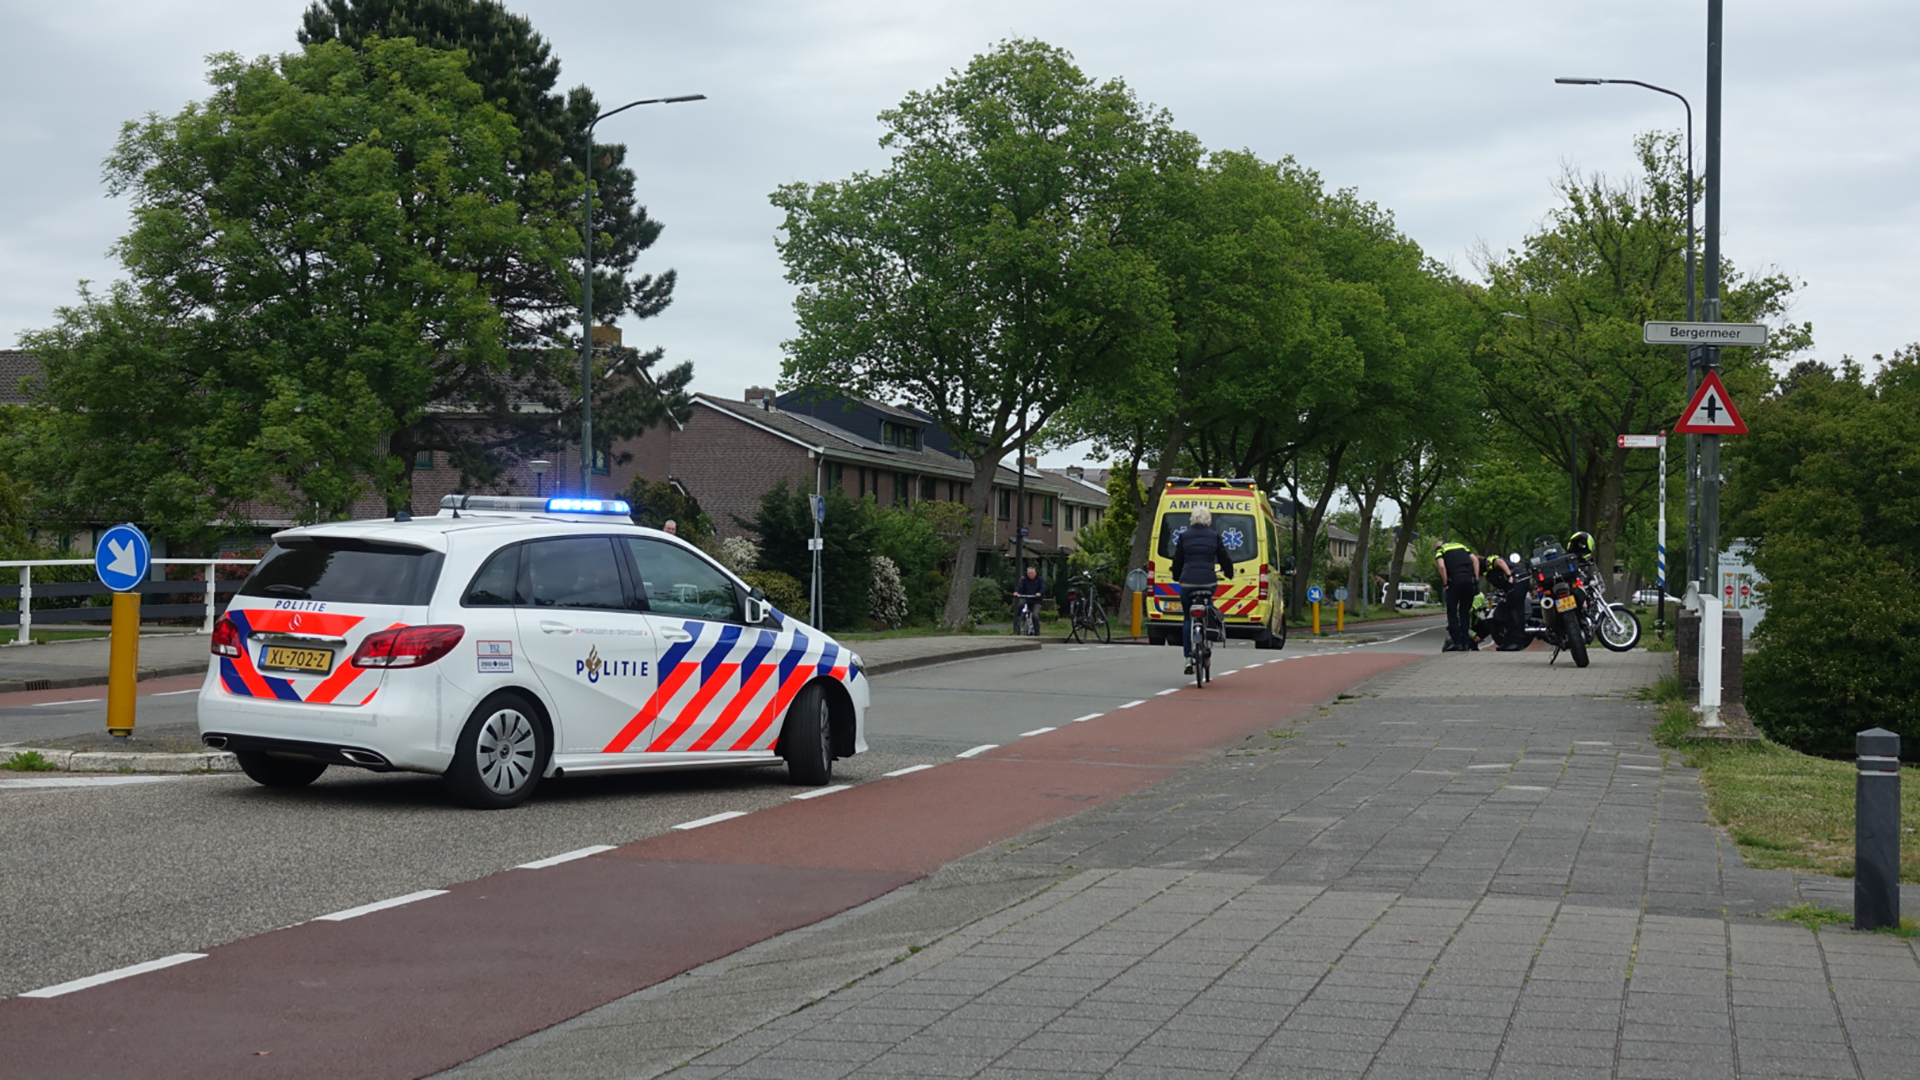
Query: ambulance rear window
<point>342,570</point>
<point>1238,533</point>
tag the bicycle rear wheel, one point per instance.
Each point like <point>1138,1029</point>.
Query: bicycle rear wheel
<point>1102,629</point>
<point>1076,620</point>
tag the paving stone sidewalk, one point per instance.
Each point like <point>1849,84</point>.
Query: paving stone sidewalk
<point>1438,878</point>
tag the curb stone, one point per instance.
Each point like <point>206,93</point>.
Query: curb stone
<point>109,761</point>
<point>8,686</point>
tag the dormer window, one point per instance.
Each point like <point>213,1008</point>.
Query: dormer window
<point>905,436</point>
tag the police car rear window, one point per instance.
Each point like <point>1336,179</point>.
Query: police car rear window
<point>1237,533</point>
<point>345,571</point>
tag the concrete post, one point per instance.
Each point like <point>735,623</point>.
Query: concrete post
<point>1710,631</point>
<point>1876,830</point>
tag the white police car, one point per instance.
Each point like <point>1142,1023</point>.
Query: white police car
<point>508,639</point>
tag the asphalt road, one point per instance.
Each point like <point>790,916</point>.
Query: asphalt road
<point>110,873</point>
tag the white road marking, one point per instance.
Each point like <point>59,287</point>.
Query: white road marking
<point>1432,772</point>
<point>71,701</point>
<point>817,792</point>
<point>728,815</point>
<point>976,750</point>
<point>1169,690</point>
<point>556,860</point>
<point>380,905</point>
<point>1523,787</point>
<point>1084,719</point>
<point>1490,766</point>
<point>1078,648</point>
<point>1643,768</point>
<point>82,781</point>
<point>908,769</point>
<point>170,693</point>
<point>1131,704</point>
<point>1103,646</point>
<point>1593,744</point>
<point>1037,731</point>
<point>117,973</point>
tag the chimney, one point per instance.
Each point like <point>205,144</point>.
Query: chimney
<point>1075,472</point>
<point>1028,464</point>
<point>606,337</point>
<point>761,396</point>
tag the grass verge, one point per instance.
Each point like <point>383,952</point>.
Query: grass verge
<point>1786,810</point>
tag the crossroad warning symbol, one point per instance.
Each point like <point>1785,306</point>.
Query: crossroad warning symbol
<point>1710,413</point>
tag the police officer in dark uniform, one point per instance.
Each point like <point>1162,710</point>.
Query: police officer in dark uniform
<point>1508,617</point>
<point>1460,581</point>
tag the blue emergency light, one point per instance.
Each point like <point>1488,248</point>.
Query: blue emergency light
<point>565,505</point>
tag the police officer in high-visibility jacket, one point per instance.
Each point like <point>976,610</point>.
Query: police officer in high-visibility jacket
<point>1460,580</point>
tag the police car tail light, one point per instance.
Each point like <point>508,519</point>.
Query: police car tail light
<point>226,638</point>
<point>407,646</point>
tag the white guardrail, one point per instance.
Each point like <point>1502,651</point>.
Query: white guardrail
<point>25,566</point>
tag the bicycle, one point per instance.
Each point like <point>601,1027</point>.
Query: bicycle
<point>1026,616</point>
<point>1203,629</point>
<point>1086,616</point>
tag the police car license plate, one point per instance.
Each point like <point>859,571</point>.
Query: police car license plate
<point>1566,603</point>
<point>289,658</point>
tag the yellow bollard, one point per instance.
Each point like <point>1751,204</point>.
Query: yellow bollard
<point>1139,606</point>
<point>1340,617</point>
<point>1316,617</point>
<point>123,664</point>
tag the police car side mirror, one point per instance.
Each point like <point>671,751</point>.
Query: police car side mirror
<point>758,610</point>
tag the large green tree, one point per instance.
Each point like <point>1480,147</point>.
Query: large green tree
<point>993,272</point>
<point>538,299</point>
<point>307,278</point>
<point>1567,370</point>
<point>1827,489</point>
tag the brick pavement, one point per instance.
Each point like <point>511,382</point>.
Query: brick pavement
<point>1478,867</point>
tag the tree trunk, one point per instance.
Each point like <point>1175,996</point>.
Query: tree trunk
<point>1304,577</point>
<point>960,596</point>
<point>1150,506</point>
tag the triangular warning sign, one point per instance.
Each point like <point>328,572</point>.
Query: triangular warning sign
<point>1710,413</point>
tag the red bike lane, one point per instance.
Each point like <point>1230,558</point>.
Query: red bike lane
<point>410,990</point>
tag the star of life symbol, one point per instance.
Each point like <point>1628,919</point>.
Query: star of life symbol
<point>1233,538</point>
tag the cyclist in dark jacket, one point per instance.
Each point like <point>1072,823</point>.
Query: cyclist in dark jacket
<point>1195,554</point>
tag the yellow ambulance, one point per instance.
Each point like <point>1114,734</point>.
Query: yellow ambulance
<point>1254,603</point>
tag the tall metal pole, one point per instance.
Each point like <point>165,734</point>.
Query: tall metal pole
<point>1660,553</point>
<point>586,289</point>
<point>1709,566</point>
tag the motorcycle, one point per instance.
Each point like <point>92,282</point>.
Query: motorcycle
<point>1560,612</point>
<point>1615,625</point>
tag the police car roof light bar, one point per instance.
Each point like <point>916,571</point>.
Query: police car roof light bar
<point>529,504</point>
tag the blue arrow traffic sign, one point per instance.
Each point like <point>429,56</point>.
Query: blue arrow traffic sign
<point>122,558</point>
<point>1313,594</point>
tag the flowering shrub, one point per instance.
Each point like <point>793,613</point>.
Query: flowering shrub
<point>887,597</point>
<point>740,554</point>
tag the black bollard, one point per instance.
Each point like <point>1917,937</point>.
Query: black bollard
<point>1876,830</point>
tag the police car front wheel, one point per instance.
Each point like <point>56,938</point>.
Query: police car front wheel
<point>806,741</point>
<point>501,754</point>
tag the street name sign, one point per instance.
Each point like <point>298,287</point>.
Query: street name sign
<point>1641,442</point>
<point>1704,333</point>
<point>1710,413</point>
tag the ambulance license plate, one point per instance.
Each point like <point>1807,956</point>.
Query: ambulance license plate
<point>1566,603</point>
<point>290,658</point>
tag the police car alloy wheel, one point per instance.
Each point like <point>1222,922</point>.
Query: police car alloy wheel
<point>500,756</point>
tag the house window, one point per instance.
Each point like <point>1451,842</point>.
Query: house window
<point>1046,510</point>
<point>1006,504</point>
<point>601,466</point>
<point>836,476</point>
<point>902,489</point>
<point>928,485</point>
<point>1067,520</point>
<point>904,436</point>
<point>423,459</point>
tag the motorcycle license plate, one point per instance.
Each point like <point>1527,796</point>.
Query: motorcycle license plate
<point>1566,603</point>
<point>288,658</point>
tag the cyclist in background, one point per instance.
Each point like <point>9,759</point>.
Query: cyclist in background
<point>1028,594</point>
<point>1194,555</point>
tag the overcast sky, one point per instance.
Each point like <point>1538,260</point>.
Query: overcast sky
<point>1443,111</point>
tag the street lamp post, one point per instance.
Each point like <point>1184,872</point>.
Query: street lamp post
<point>1693,351</point>
<point>586,290</point>
<point>539,467</point>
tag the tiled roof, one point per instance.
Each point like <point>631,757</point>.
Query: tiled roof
<point>816,432</point>
<point>16,365</point>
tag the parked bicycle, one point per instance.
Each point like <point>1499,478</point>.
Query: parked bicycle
<point>1086,616</point>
